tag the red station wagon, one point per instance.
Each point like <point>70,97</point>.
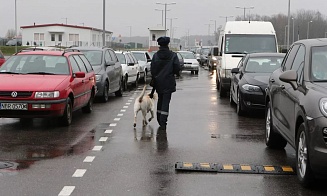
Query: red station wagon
<point>46,84</point>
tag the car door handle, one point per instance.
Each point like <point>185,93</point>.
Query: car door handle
<point>272,80</point>
<point>282,87</point>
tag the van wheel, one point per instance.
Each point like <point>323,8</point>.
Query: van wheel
<point>196,72</point>
<point>222,91</point>
<point>303,166</point>
<point>273,139</point>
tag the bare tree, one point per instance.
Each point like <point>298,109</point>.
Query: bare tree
<point>11,33</point>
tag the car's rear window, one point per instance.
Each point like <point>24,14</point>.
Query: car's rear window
<point>36,64</point>
<point>94,56</point>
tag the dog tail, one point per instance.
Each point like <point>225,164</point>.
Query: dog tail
<point>142,94</point>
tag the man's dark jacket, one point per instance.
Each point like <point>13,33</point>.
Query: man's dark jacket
<point>164,66</point>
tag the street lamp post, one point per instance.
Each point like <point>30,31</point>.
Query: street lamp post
<point>226,17</point>
<point>104,24</point>
<point>165,4</point>
<point>308,28</point>
<point>16,25</point>
<point>285,40</point>
<point>288,23</point>
<point>244,8</point>
<point>293,30</point>
<point>162,15</point>
<point>130,34</point>
<point>171,26</point>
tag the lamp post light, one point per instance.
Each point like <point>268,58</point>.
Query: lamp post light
<point>308,28</point>
<point>165,4</point>
<point>244,8</point>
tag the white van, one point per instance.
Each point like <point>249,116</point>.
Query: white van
<point>237,39</point>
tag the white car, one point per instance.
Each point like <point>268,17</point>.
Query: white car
<point>144,59</point>
<point>190,62</point>
<point>130,68</point>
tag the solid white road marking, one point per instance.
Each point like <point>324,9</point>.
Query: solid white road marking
<point>79,173</point>
<point>113,124</point>
<point>89,159</point>
<point>97,148</point>
<point>103,139</point>
<point>66,191</point>
<point>108,131</point>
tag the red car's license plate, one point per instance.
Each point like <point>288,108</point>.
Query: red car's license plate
<point>13,106</point>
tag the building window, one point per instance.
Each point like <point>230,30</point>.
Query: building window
<point>60,37</point>
<point>153,37</point>
<point>73,37</point>
<point>38,36</point>
<point>53,37</point>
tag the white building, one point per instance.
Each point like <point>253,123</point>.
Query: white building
<point>63,34</point>
<point>155,33</point>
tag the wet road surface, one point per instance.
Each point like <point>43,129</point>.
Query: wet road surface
<point>102,154</point>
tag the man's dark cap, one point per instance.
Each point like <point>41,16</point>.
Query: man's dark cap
<point>163,41</point>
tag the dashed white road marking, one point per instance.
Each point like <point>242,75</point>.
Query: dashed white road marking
<point>117,119</point>
<point>126,106</point>
<point>113,124</point>
<point>66,191</point>
<point>120,115</point>
<point>79,173</point>
<point>108,131</point>
<point>122,110</point>
<point>89,159</point>
<point>130,100</point>
<point>128,103</point>
<point>97,148</point>
<point>103,139</point>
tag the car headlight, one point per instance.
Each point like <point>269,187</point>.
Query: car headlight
<point>195,63</point>
<point>323,106</point>
<point>53,94</point>
<point>98,78</point>
<point>225,73</point>
<point>214,58</point>
<point>251,88</point>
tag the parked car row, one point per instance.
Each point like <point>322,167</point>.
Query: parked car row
<point>291,89</point>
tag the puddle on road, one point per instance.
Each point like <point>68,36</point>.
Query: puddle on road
<point>239,136</point>
<point>22,154</point>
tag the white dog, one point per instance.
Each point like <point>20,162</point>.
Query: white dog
<point>145,104</point>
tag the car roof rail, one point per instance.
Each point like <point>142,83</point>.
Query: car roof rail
<point>70,50</point>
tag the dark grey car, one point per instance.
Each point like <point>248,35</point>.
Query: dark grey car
<point>296,107</point>
<point>107,68</point>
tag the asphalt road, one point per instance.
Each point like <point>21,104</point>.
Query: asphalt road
<point>102,154</point>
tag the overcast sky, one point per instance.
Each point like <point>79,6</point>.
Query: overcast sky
<point>192,15</point>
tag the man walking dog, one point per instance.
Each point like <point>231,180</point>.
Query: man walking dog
<point>164,66</point>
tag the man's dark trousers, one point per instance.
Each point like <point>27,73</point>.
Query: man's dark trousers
<point>163,108</point>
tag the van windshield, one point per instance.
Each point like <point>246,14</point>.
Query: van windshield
<point>246,43</point>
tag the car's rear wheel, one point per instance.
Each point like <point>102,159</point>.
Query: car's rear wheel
<point>66,119</point>
<point>89,107</point>
<point>105,95</point>
<point>303,167</point>
<point>273,139</point>
<point>125,87</point>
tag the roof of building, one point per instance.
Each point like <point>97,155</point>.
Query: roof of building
<point>62,25</point>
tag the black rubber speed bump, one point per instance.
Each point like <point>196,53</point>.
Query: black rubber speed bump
<point>235,168</point>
